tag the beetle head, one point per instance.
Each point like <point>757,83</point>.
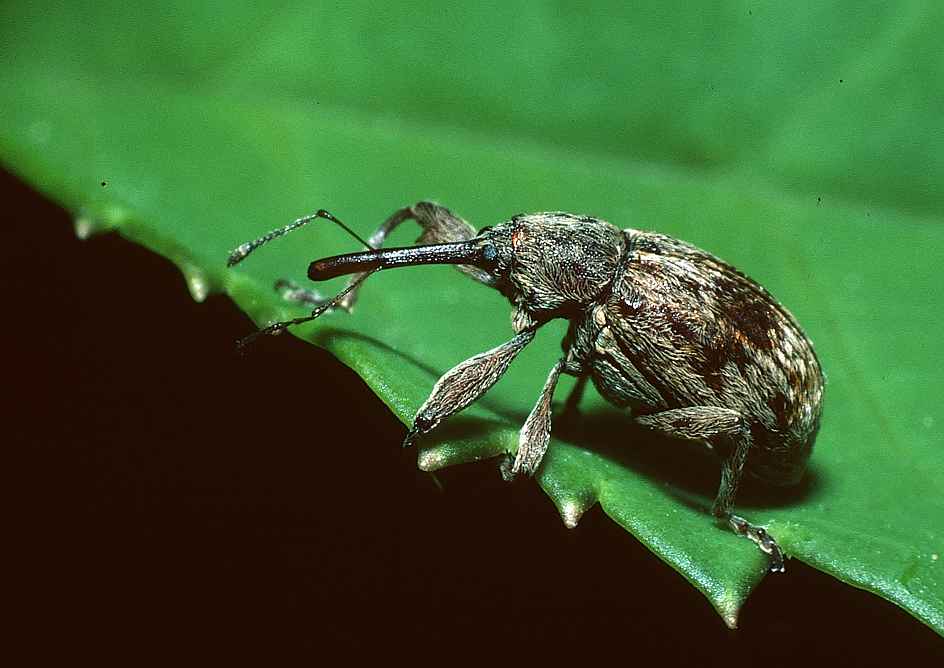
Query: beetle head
<point>550,263</point>
<point>547,264</point>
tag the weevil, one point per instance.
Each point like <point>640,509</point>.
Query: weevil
<point>691,346</point>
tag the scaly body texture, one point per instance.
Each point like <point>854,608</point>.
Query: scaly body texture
<point>681,328</point>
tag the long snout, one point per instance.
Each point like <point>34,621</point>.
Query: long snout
<point>462,252</point>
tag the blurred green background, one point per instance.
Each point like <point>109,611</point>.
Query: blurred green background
<point>803,143</point>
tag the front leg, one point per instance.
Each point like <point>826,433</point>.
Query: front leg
<point>292,292</point>
<point>463,384</point>
<point>727,430</point>
<point>438,224</point>
<point>536,432</point>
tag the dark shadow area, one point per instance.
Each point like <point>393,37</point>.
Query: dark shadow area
<point>692,470</point>
<point>172,501</point>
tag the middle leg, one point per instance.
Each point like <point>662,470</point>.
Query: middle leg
<point>571,411</point>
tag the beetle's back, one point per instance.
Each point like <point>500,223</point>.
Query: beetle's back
<point>684,328</point>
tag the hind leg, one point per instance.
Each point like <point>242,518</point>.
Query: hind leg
<point>728,432</point>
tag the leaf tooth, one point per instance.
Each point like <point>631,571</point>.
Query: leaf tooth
<point>86,226</point>
<point>573,496</point>
<point>728,606</point>
<point>198,281</point>
<point>433,459</point>
<point>572,508</point>
<point>462,450</point>
<point>88,223</point>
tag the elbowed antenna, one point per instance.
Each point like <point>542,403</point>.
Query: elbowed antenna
<point>279,327</point>
<point>369,262</point>
<point>460,252</point>
<point>241,252</point>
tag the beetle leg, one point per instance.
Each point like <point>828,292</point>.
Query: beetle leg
<point>324,305</point>
<point>726,430</point>
<point>291,291</point>
<point>464,383</point>
<point>731,471</point>
<point>439,225</point>
<point>761,538</point>
<point>536,432</point>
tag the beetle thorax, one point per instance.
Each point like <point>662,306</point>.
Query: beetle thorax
<point>561,262</point>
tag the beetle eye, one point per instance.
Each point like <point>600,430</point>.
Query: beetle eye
<point>489,253</point>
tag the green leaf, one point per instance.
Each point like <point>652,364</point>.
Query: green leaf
<point>802,145</point>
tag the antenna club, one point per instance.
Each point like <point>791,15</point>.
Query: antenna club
<point>239,254</point>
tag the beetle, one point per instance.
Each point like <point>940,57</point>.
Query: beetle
<point>695,349</point>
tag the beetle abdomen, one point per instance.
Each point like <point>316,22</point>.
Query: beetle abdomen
<point>694,331</point>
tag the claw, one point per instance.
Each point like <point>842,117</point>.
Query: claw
<point>421,425</point>
<point>506,467</point>
<point>763,540</point>
<point>776,560</point>
<point>411,436</point>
